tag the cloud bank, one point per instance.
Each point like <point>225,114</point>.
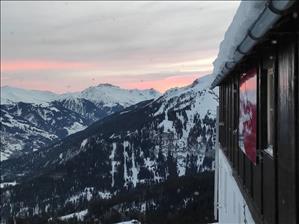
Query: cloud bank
<point>67,46</point>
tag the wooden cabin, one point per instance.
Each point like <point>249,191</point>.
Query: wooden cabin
<point>259,128</point>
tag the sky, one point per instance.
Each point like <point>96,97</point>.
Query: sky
<point>69,46</point>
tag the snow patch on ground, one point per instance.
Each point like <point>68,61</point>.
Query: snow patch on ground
<point>84,142</point>
<point>7,184</point>
<point>76,127</point>
<point>126,177</point>
<point>77,215</point>
<point>86,194</point>
<point>134,221</point>
<point>166,124</point>
<point>104,195</point>
<point>134,170</point>
<point>113,163</point>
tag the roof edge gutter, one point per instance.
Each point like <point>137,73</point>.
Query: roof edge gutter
<point>272,12</point>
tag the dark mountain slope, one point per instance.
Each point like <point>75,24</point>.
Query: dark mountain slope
<point>148,143</point>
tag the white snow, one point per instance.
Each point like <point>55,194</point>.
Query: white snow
<point>181,166</point>
<point>83,143</point>
<point>10,148</point>
<point>134,221</point>
<point>166,124</point>
<point>143,207</point>
<point>245,16</point>
<point>149,164</point>
<point>104,195</point>
<point>54,109</point>
<point>74,198</point>
<point>85,194</point>
<point>7,184</point>
<point>199,84</point>
<point>76,127</point>
<point>232,206</point>
<point>47,207</point>
<point>78,215</point>
<point>36,210</point>
<point>13,144</point>
<point>106,94</point>
<point>187,103</point>
<point>113,163</point>
<point>111,95</point>
<point>126,177</point>
<point>134,170</point>
<point>202,101</point>
<point>13,94</point>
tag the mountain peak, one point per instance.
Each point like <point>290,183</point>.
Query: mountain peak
<point>11,94</point>
<point>110,94</point>
<point>107,85</point>
<point>105,93</point>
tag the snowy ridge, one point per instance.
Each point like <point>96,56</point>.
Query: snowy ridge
<point>189,104</point>
<point>13,94</point>
<point>153,141</point>
<point>27,127</point>
<point>32,119</point>
<point>104,94</point>
<point>110,95</point>
<point>199,84</point>
<point>176,97</point>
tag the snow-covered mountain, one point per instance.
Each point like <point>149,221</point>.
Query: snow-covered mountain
<point>31,119</point>
<point>106,94</point>
<point>146,144</point>
<point>27,127</point>
<point>12,95</point>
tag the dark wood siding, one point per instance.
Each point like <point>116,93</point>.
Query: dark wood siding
<point>286,133</point>
<point>269,202</point>
<point>257,170</point>
<point>269,179</point>
<point>236,121</point>
<point>297,130</point>
<point>270,187</point>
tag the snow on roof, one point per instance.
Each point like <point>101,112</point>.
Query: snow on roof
<point>245,16</point>
<point>251,21</point>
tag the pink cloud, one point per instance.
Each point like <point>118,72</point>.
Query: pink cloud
<point>165,83</point>
<point>78,84</point>
<point>31,65</point>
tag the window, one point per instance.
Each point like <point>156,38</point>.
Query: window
<point>247,114</point>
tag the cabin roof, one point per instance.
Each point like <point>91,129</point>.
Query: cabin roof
<point>251,22</point>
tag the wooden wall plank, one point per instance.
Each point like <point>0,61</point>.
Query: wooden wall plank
<point>286,133</point>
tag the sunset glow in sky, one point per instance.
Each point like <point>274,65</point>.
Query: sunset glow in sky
<point>69,46</point>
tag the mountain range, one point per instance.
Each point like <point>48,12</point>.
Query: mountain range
<point>44,116</point>
<point>126,165</point>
